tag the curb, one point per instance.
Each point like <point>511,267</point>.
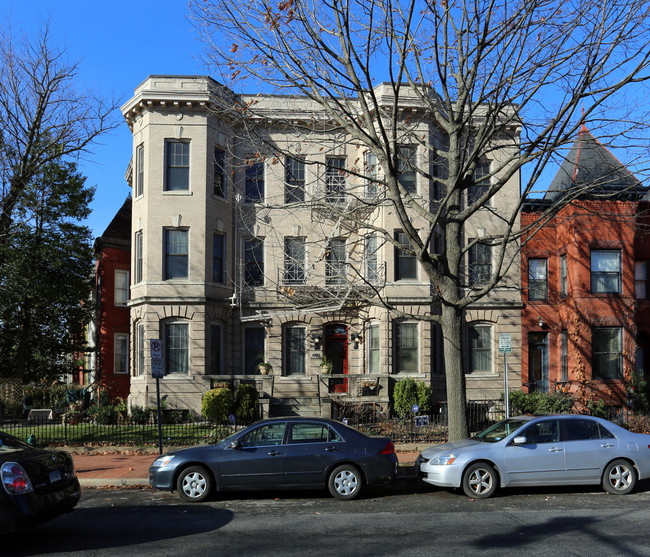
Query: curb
<point>132,482</point>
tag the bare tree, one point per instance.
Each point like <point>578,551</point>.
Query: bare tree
<point>43,116</point>
<point>512,82</point>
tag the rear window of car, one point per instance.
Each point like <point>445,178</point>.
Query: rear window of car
<point>312,433</point>
<point>9,444</point>
<point>584,430</point>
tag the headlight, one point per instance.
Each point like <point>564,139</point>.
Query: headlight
<point>443,459</point>
<point>163,460</point>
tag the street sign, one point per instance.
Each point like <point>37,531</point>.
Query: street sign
<point>156,359</point>
<point>415,408</point>
<point>505,342</point>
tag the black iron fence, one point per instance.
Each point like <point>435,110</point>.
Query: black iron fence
<point>422,429</point>
<point>124,433</point>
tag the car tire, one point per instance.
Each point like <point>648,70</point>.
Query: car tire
<point>480,480</point>
<point>619,477</point>
<point>194,484</point>
<point>344,482</point>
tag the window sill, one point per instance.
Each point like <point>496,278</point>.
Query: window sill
<point>177,192</point>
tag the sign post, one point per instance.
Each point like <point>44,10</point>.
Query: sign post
<point>157,374</point>
<point>505,346</point>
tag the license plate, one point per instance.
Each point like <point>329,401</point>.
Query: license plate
<point>55,476</point>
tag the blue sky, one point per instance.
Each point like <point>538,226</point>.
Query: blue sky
<point>118,45</point>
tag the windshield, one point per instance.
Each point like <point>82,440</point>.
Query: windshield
<point>500,430</point>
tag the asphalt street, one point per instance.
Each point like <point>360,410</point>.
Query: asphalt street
<point>408,519</point>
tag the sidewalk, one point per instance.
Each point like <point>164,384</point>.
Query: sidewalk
<point>124,469</point>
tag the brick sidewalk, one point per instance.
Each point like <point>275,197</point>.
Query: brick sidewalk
<point>124,469</point>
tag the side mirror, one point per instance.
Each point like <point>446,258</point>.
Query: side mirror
<point>520,440</point>
<point>233,445</point>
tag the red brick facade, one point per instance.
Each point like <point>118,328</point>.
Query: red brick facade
<point>113,263</point>
<point>581,233</point>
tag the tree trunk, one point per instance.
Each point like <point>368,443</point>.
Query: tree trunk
<point>451,325</point>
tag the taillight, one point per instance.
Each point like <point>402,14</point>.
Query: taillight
<point>389,449</point>
<point>14,479</point>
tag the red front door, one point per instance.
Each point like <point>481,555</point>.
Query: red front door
<point>336,350</point>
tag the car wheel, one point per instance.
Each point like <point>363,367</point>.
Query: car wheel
<point>480,480</point>
<point>194,484</point>
<point>344,482</point>
<point>619,477</point>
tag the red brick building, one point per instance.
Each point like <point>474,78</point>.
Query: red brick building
<point>585,316</point>
<point>112,279</point>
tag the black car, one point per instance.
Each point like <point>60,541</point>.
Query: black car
<point>37,484</point>
<point>279,453</point>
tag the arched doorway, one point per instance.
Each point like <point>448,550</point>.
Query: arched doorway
<point>336,350</point>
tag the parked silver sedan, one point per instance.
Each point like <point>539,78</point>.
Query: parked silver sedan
<point>540,451</point>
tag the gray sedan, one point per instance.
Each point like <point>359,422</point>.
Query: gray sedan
<point>279,453</point>
<point>540,451</point>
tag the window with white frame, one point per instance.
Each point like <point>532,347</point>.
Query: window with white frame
<point>295,349</point>
<point>177,157</point>
<point>372,343</point>
<point>254,261</point>
<point>216,360</point>
<point>641,279</point>
<point>564,355</point>
<point>294,180</point>
<point>139,254</point>
<point>606,271</point>
<point>334,179</point>
<point>219,257</point>
<point>563,277</point>
<point>371,258</point>
<point>219,172</point>
<point>480,263</point>
<point>371,172</point>
<point>406,348</point>
<point>254,187</point>
<point>607,353</point>
<point>537,279</point>
<point>121,287</point>
<point>294,261</point>
<point>139,170</point>
<point>405,261</point>
<point>335,262</point>
<point>140,349</point>
<point>176,340</point>
<point>481,183</point>
<point>406,164</point>
<point>121,353</point>
<point>479,344</point>
<point>176,253</point>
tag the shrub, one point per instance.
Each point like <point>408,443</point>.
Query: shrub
<point>538,402</point>
<point>105,415</point>
<point>140,415</point>
<point>217,405</point>
<point>409,392</point>
<point>246,398</point>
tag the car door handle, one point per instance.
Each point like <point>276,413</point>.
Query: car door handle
<point>331,449</point>
<point>555,450</point>
<point>607,445</point>
<point>275,453</point>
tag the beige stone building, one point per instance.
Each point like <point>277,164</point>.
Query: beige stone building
<point>264,245</point>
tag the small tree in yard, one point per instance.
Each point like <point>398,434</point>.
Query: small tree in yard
<point>511,82</point>
<point>407,393</point>
<point>217,405</point>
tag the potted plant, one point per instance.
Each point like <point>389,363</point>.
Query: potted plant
<point>326,366</point>
<point>265,367</point>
